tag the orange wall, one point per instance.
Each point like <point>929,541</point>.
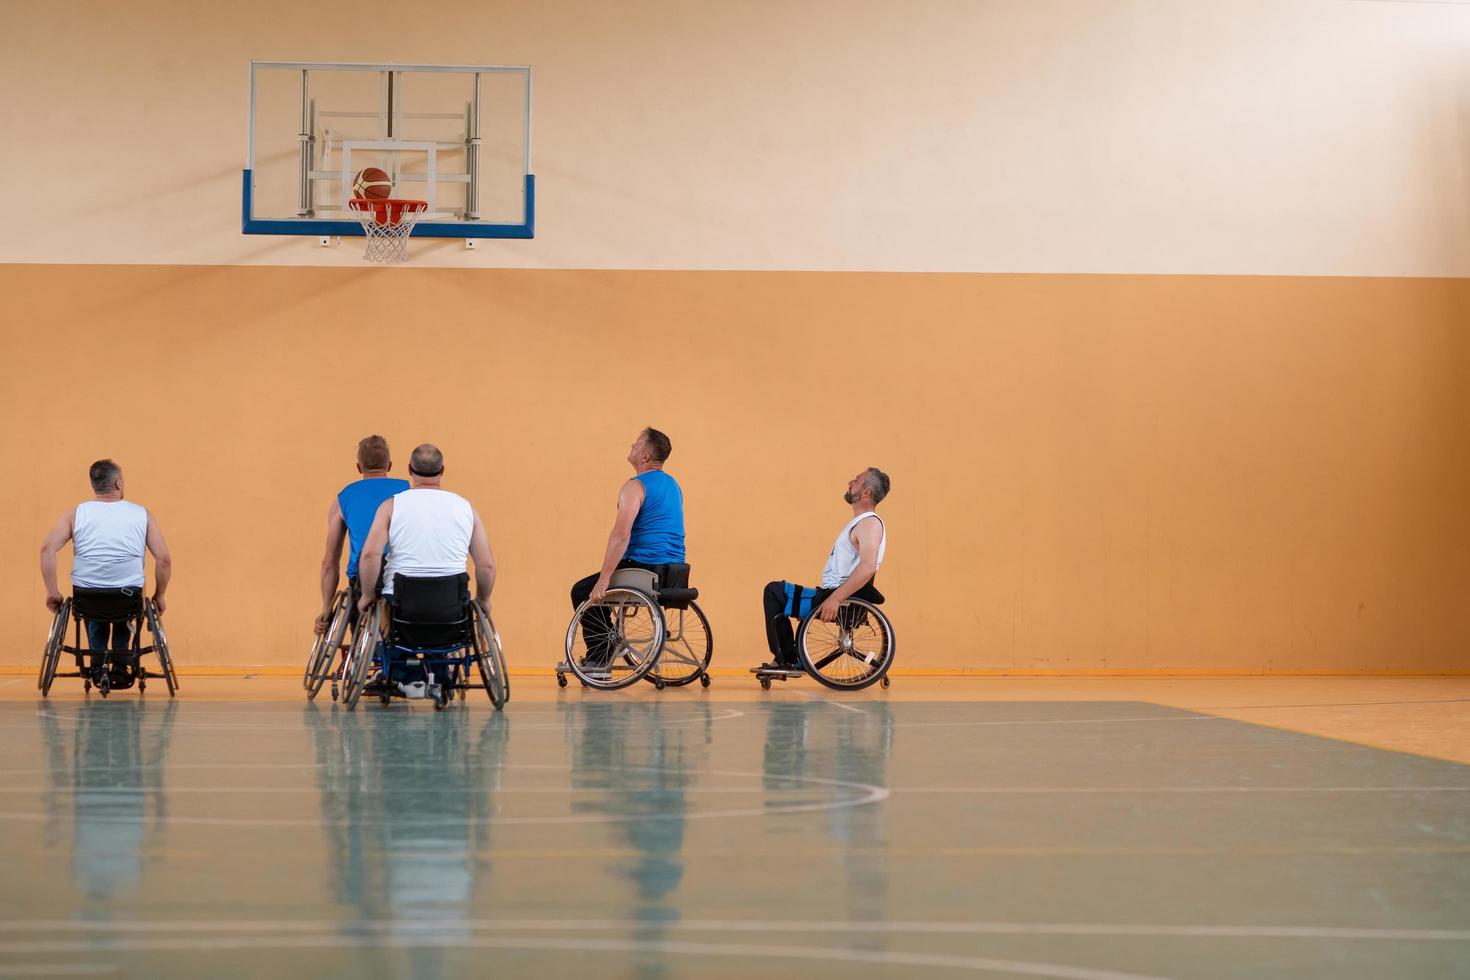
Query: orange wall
<point>1089,471</point>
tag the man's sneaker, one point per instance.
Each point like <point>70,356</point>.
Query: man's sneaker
<point>414,689</point>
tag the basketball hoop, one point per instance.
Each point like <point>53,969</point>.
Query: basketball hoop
<point>387,222</point>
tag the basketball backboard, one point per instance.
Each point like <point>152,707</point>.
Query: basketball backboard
<point>457,136</point>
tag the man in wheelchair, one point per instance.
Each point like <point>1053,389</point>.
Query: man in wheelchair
<point>427,532</point>
<point>350,517</point>
<point>648,532</point>
<point>849,572</point>
<point>109,536</point>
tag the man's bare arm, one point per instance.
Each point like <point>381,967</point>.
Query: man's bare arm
<point>163,563</point>
<point>331,562</point>
<point>866,537</point>
<point>484,562</point>
<point>630,501</point>
<point>370,562</point>
<point>54,541</point>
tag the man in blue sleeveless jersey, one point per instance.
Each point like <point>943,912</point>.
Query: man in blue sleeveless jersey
<point>648,530</point>
<point>851,566</point>
<point>351,517</point>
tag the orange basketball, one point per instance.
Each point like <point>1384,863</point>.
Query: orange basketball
<point>371,182</point>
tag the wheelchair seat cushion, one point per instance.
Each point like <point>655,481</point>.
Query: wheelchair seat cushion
<point>107,605</point>
<point>431,611</point>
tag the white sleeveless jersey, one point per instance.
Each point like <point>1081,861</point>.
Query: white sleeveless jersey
<point>843,560</point>
<point>108,538</point>
<point>429,535</point>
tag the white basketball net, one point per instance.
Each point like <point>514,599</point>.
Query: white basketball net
<point>387,224</point>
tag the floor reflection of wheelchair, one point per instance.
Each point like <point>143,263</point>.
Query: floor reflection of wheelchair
<point>849,654</point>
<point>121,669</point>
<point>322,664</point>
<point>651,629</point>
<point>427,632</point>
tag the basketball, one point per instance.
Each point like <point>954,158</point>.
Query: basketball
<point>371,182</point>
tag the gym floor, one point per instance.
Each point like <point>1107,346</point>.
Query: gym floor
<point>1053,827</point>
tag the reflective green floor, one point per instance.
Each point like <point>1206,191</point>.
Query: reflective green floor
<point>684,838</point>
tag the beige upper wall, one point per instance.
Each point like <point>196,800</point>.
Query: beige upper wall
<point>1245,136</point>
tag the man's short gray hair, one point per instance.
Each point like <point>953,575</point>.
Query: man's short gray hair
<point>426,460</point>
<point>104,474</point>
<point>877,481</point>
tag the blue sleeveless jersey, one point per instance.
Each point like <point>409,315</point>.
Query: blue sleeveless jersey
<point>359,502</point>
<point>658,530</point>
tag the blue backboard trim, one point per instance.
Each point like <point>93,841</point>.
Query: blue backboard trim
<point>424,229</point>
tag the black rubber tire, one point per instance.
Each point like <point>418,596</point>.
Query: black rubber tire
<point>629,596</point>
<point>364,652</point>
<point>486,659</point>
<point>160,647</point>
<point>321,662</point>
<point>878,673</point>
<point>663,659</point>
<point>51,653</point>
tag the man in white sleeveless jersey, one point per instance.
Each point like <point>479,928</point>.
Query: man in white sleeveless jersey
<point>427,531</point>
<point>851,566</point>
<point>108,536</point>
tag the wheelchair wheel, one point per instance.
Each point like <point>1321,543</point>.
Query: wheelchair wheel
<point>851,653</point>
<point>688,646</point>
<point>323,659</point>
<point>51,653</point>
<point>160,647</point>
<point>364,651</point>
<point>489,660</point>
<point>632,633</point>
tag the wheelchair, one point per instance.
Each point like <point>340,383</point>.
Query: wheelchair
<point>652,630</point>
<point>121,669</point>
<point>847,655</point>
<point>322,664</point>
<point>430,633</point>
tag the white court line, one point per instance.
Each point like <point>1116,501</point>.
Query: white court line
<point>437,926</point>
<point>1173,789</point>
<point>56,970</point>
<point>835,704</point>
<point>441,940</point>
<point>866,794</point>
<point>1056,721</point>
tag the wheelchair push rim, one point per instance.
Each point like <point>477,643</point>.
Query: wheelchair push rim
<point>51,653</point>
<point>362,654</point>
<point>635,642</point>
<point>850,654</point>
<point>160,648</point>
<point>487,658</point>
<point>323,660</point>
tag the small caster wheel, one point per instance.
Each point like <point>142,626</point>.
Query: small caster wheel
<point>461,694</point>
<point>142,685</point>
<point>335,693</point>
<point>704,680</point>
<point>884,682</point>
<point>561,679</point>
<point>765,683</point>
<point>384,699</point>
<point>659,685</point>
<point>86,686</point>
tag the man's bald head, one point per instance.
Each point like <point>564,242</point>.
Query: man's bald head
<point>426,460</point>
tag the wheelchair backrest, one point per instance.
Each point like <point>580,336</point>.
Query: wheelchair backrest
<point>107,605</point>
<point>429,612</point>
<point>440,600</point>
